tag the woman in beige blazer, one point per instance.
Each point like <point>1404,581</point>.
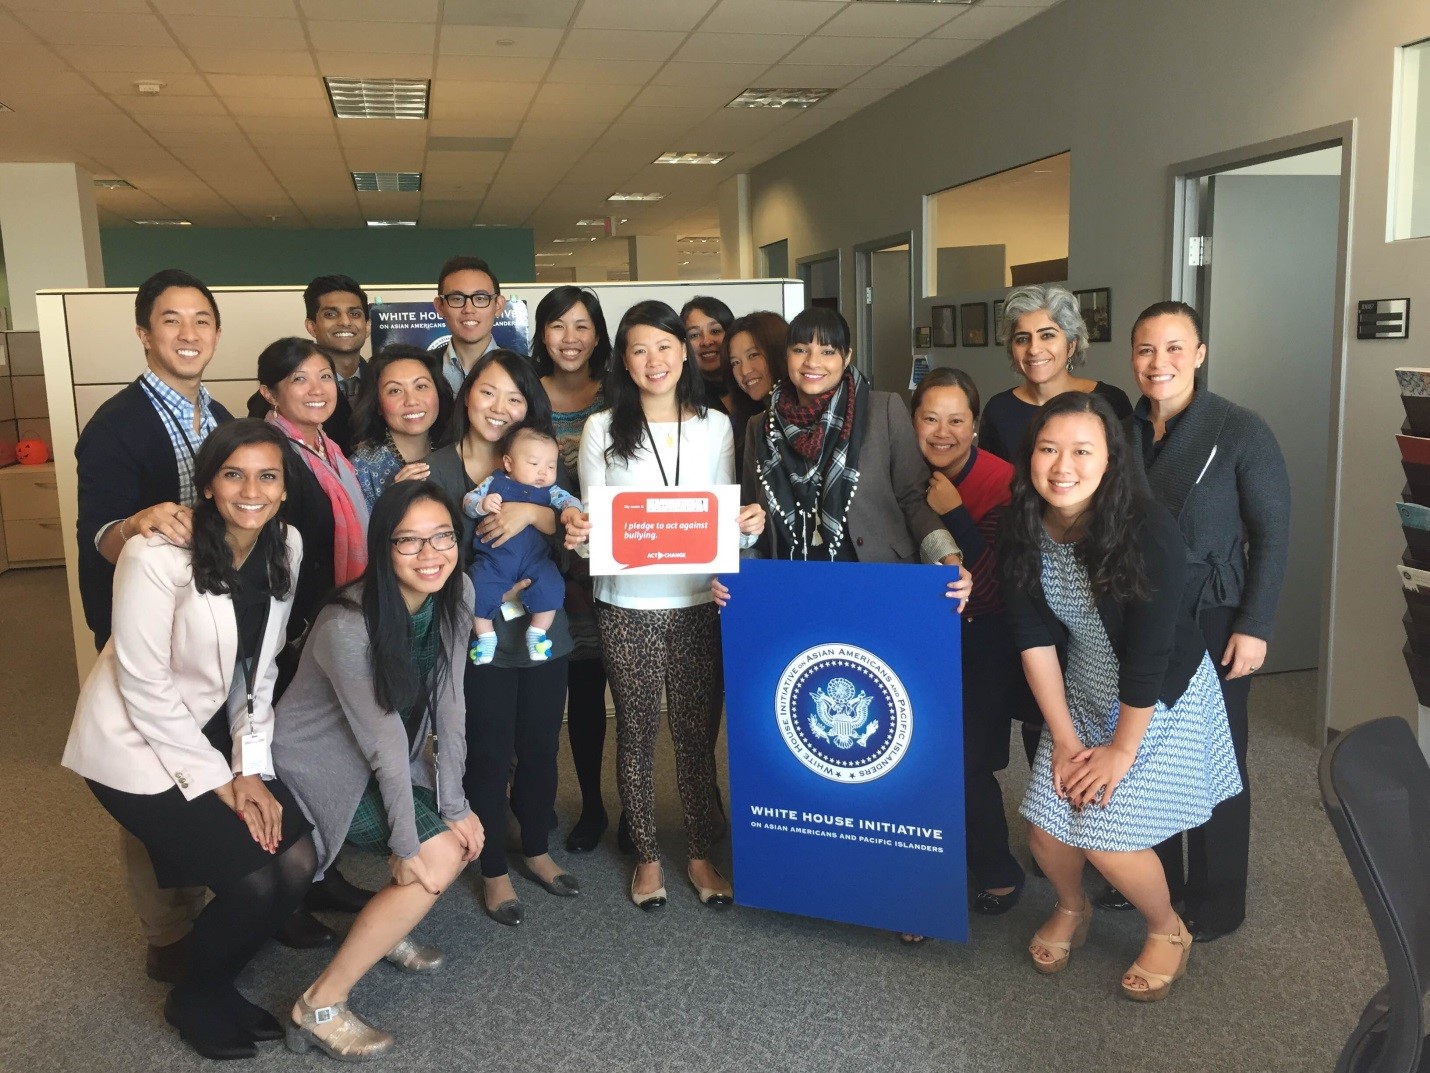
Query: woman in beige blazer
<point>174,726</point>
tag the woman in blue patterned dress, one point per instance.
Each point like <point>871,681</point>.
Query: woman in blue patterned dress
<point>1136,746</point>
<point>400,418</point>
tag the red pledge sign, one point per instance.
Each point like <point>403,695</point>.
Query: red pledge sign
<point>663,527</point>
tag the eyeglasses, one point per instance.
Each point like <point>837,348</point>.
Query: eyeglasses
<point>411,545</point>
<point>479,299</point>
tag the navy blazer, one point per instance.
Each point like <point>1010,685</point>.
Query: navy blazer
<point>1158,642</point>
<point>125,464</point>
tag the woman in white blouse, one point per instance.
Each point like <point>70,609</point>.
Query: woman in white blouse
<point>662,631</point>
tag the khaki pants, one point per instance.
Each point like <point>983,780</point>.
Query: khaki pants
<point>165,914</point>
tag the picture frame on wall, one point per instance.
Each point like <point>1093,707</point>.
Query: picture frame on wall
<point>1096,308</point>
<point>975,323</point>
<point>923,338</point>
<point>945,326</point>
<point>1000,337</point>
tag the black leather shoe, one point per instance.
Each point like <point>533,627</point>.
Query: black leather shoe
<point>215,1041</point>
<point>167,964</point>
<point>995,905</point>
<point>1203,933</point>
<point>336,894</point>
<point>623,836</point>
<point>508,913</point>
<point>1112,900</point>
<point>586,835</point>
<point>304,931</point>
<point>260,1025</point>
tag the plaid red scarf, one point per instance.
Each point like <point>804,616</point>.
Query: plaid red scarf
<point>804,431</point>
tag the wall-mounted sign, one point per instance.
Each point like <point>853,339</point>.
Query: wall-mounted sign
<point>1383,318</point>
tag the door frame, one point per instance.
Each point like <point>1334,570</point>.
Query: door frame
<point>863,276</point>
<point>1188,204</point>
<point>802,271</point>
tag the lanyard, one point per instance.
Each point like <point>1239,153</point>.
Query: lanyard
<point>679,418</point>
<point>184,433</point>
<point>248,665</point>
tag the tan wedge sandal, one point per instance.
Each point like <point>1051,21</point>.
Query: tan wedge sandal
<point>1063,947</point>
<point>1159,986</point>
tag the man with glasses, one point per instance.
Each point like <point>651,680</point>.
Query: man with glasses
<point>469,299</point>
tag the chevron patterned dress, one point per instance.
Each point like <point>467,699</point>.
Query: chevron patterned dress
<point>1185,764</point>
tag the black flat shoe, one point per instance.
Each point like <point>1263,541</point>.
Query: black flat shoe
<point>304,931</point>
<point>1112,900</point>
<point>508,913</point>
<point>586,835</point>
<point>1203,933</point>
<point>217,1042</point>
<point>995,905</point>
<point>623,836</point>
<point>336,894</point>
<point>563,884</point>
<point>167,964</point>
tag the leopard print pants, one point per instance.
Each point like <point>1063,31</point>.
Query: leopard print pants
<point>677,649</point>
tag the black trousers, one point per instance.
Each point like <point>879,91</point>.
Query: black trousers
<point>586,729</point>
<point>1212,880</point>
<point>513,713</point>
<point>995,692</point>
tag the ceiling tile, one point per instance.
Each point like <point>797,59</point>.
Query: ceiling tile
<point>276,86</point>
<point>622,44</point>
<point>348,35</point>
<point>853,98</point>
<point>260,107</point>
<point>87,7</point>
<point>731,76</point>
<point>889,20</point>
<point>474,169</point>
<point>375,64</point>
<point>768,16</point>
<point>458,121</point>
<point>305,126</point>
<point>553,14</point>
<point>121,84</point>
<point>642,14</point>
<point>554,98</point>
<point>268,9</point>
<point>810,76</point>
<point>846,50</point>
<point>447,213</point>
<point>984,24</point>
<point>933,52</point>
<point>236,61</point>
<point>228,31</point>
<point>663,123</point>
<point>151,61</point>
<point>526,43</point>
<point>737,48</point>
<point>554,138</point>
<point>372,10</point>
<point>614,72</point>
<point>490,69</point>
<point>162,125</point>
<point>708,97</point>
<point>98,29</point>
<point>144,105</point>
<point>890,77</point>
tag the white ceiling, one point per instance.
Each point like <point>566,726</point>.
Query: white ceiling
<point>588,92</point>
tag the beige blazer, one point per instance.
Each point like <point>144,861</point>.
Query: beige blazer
<point>171,663</point>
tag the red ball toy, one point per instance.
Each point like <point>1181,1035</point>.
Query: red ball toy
<point>31,452</point>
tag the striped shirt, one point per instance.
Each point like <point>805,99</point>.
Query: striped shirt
<point>176,414</point>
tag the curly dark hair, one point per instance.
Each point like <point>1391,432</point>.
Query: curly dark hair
<point>212,558</point>
<point>1110,547</point>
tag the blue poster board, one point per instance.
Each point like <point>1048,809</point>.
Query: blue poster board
<point>419,324</point>
<point>843,693</point>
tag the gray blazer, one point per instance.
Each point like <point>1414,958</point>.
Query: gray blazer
<point>889,520</point>
<point>332,737</point>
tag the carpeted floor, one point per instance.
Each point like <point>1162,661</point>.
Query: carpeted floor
<point>593,984</point>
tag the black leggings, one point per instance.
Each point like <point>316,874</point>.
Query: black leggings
<point>513,713</point>
<point>586,728</point>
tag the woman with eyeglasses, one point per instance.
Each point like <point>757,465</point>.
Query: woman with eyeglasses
<point>372,737</point>
<point>400,417</point>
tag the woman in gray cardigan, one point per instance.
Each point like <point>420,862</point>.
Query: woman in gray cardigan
<point>1216,466</point>
<point>371,736</point>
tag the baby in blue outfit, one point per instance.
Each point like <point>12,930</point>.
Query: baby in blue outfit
<point>528,476</point>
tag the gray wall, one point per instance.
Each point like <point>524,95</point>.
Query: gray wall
<point>893,345</point>
<point>1137,87</point>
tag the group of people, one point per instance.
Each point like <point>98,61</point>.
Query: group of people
<point>358,615</point>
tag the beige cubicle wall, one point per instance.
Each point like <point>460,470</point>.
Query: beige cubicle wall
<point>91,351</point>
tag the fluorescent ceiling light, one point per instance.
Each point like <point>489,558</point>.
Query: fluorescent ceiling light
<point>163,223</point>
<point>690,158</point>
<point>114,184</point>
<point>378,98</point>
<point>698,238</point>
<point>558,253</point>
<point>5,107</point>
<point>387,182</point>
<point>598,223</point>
<point>491,225</point>
<point>582,238</point>
<point>392,223</point>
<point>779,98</point>
<point>635,197</point>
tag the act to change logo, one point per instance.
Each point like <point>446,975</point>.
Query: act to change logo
<point>844,713</point>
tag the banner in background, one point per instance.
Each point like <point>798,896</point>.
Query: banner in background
<point>843,693</point>
<point>419,324</point>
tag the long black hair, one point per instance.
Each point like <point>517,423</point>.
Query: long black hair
<point>211,556</point>
<point>770,332</point>
<point>622,395</point>
<point>555,305</point>
<point>396,684</point>
<point>1110,547</point>
<point>367,423</point>
<point>538,406</point>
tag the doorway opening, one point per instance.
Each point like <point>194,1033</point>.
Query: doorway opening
<point>884,306</point>
<point>1259,238</point>
<point>821,276</point>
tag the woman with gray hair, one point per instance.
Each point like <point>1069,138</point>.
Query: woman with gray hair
<point>1047,340</point>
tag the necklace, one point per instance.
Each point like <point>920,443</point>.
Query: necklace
<point>679,420</point>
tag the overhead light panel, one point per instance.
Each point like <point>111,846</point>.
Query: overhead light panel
<point>163,223</point>
<point>635,197</point>
<point>779,98</point>
<point>557,253</point>
<point>580,238</point>
<point>387,182</point>
<point>599,223</point>
<point>378,98</point>
<point>690,158</point>
<point>392,223</point>
<point>114,184</point>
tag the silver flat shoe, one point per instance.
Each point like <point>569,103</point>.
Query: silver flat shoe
<point>348,1039</point>
<point>410,956</point>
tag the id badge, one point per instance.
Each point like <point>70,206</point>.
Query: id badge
<point>432,758</point>
<point>512,609</point>
<point>255,752</point>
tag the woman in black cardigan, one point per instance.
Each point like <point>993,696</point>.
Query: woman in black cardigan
<point>1218,469</point>
<point>1136,746</point>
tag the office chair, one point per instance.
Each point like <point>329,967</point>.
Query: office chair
<point>1375,786</point>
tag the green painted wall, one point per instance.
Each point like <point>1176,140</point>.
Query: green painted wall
<point>253,257</point>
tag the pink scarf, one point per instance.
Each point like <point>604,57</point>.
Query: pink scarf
<point>349,529</point>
